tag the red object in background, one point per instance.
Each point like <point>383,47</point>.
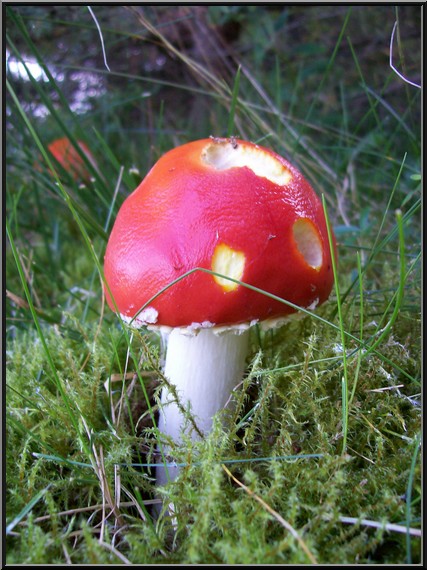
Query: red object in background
<point>68,157</point>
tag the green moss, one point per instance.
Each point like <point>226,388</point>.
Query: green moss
<point>290,409</point>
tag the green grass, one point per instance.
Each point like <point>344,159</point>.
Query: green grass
<point>321,462</point>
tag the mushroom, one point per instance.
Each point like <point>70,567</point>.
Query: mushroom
<point>68,157</point>
<point>240,216</point>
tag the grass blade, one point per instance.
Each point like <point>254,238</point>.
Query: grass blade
<point>234,100</point>
<point>27,509</point>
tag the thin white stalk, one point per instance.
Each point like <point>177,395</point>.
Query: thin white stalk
<point>100,37</point>
<point>203,369</point>
<point>391,61</point>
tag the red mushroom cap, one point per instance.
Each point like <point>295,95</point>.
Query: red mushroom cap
<point>229,206</point>
<point>68,157</point>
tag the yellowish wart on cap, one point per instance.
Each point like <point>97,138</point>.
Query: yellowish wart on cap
<point>308,242</point>
<point>223,154</point>
<point>229,263</point>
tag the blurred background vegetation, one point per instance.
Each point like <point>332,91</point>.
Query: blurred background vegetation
<point>285,52</point>
<point>315,84</point>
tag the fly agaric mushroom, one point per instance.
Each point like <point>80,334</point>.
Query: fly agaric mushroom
<point>68,157</point>
<point>248,216</point>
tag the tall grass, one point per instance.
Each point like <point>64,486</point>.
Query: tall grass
<point>321,463</point>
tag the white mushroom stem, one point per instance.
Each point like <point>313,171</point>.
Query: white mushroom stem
<point>204,369</point>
